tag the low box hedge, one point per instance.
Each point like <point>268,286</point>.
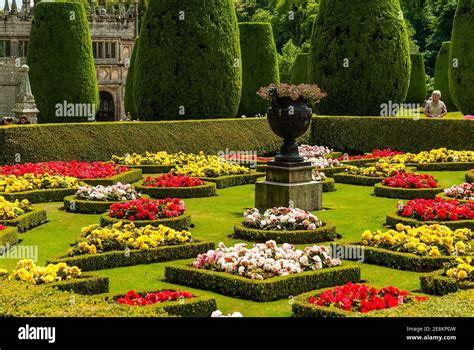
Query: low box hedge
<point>40,196</point>
<point>234,180</point>
<point>8,237</point>
<point>198,306</point>
<point>73,205</point>
<point>27,221</point>
<point>334,155</point>
<point>151,168</point>
<point>445,166</point>
<point>330,172</point>
<point>182,222</point>
<point>357,179</point>
<point>325,233</point>
<point>113,259</point>
<point>470,176</point>
<point>127,177</point>
<point>361,162</point>
<point>206,190</point>
<point>397,260</point>
<point>394,219</point>
<point>405,193</point>
<point>436,284</point>
<point>85,284</point>
<point>329,185</point>
<point>260,290</point>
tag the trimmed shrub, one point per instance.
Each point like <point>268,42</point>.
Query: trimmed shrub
<point>126,178</point>
<point>437,284</point>
<point>259,66</point>
<point>206,190</point>
<point>405,193</point>
<point>329,172</point>
<point>300,74</point>
<point>445,166</point>
<point>360,56</point>
<point>27,221</point>
<point>233,180</point>
<point>470,176</point>
<point>182,222</point>
<point>360,162</point>
<point>8,236</point>
<point>329,185</point>
<point>461,67</point>
<point>40,196</point>
<point>441,77</point>
<point>357,179</point>
<point>325,233</point>
<point>417,88</point>
<point>394,219</point>
<point>199,74</point>
<point>152,169</point>
<point>61,62</point>
<point>85,284</point>
<point>111,260</point>
<point>129,99</point>
<point>73,205</point>
<point>260,290</point>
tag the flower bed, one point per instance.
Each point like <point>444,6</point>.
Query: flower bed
<point>439,159</point>
<point>324,163</point>
<point>369,176</point>
<point>470,176</point>
<point>307,151</point>
<point>455,276</point>
<point>130,176</point>
<point>234,180</point>
<point>8,237</point>
<point>20,214</point>
<point>408,186</point>
<point>210,166</point>
<point>351,300</point>
<point>359,180</point>
<point>375,155</point>
<point>170,186</point>
<point>463,192</point>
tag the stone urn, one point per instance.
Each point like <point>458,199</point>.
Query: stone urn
<point>289,119</point>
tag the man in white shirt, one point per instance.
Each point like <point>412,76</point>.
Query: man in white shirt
<point>435,108</point>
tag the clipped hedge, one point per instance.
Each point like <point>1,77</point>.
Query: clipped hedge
<point>357,179</point>
<point>325,233</point>
<point>206,190</point>
<point>182,222</point>
<point>398,260</point>
<point>129,98</point>
<point>405,193</point>
<point>470,176</point>
<point>417,89</point>
<point>330,172</point>
<point>27,221</point>
<point>233,180</point>
<point>126,178</point>
<point>85,284</point>
<point>394,219</point>
<point>8,237</point>
<point>198,306</point>
<point>300,73</point>
<point>445,166</point>
<point>441,77</point>
<point>73,205</point>
<point>40,196</point>
<point>260,290</point>
<point>437,284</point>
<point>360,162</point>
<point>151,169</point>
<point>113,259</point>
<point>329,185</point>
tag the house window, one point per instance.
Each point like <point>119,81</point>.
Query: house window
<point>22,48</point>
<point>104,49</point>
<point>5,48</point>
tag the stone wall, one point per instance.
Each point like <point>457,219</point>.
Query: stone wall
<point>9,85</point>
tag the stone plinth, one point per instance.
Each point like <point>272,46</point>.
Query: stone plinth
<point>289,183</point>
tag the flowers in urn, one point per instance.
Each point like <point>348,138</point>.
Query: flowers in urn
<point>310,93</point>
<point>281,219</point>
<point>115,193</point>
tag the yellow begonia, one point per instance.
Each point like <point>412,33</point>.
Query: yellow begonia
<point>11,210</point>
<point>28,182</point>
<point>441,155</point>
<point>460,269</point>
<point>27,271</point>
<point>380,169</point>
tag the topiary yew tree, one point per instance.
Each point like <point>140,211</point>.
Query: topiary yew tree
<point>461,62</point>
<point>417,89</point>
<point>299,75</point>
<point>188,62</point>
<point>129,99</point>
<point>360,56</point>
<point>441,78</point>
<point>61,61</point>
<point>259,66</point>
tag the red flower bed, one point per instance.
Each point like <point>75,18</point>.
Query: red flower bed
<point>374,154</point>
<point>438,209</point>
<point>79,170</point>
<point>361,298</point>
<point>2,227</point>
<point>134,299</point>
<point>147,209</point>
<point>169,180</point>
<point>407,180</point>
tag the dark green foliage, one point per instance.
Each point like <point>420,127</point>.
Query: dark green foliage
<point>111,260</point>
<point>193,63</point>
<point>60,60</point>
<point>40,196</point>
<point>359,56</point>
<point>152,169</point>
<point>461,78</point>
<point>360,162</point>
<point>8,236</point>
<point>127,177</point>
<point>206,190</point>
<point>437,284</point>
<point>259,66</point>
<point>393,219</point>
<point>73,205</point>
<point>86,285</point>
<point>406,193</point>
<point>441,77</point>
<point>26,221</point>
<point>182,222</point>
<point>357,179</point>
<point>322,234</point>
<point>329,172</point>
<point>401,134</point>
<point>470,176</point>
<point>417,89</point>
<point>329,185</point>
<point>129,99</point>
<point>446,166</point>
<point>299,75</point>
<point>233,180</point>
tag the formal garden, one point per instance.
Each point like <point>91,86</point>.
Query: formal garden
<point>235,189</point>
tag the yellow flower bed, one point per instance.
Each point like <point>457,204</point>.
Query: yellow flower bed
<point>426,240</point>
<point>11,210</point>
<point>27,271</point>
<point>441,155</point>
<point>159,158</point>
<point>28,182</point>
<point>381,169</point>
<point>211,166</point>
<point>120,236</point>
<point>461,269</point>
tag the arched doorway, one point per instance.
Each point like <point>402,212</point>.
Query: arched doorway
<point>107,107</point>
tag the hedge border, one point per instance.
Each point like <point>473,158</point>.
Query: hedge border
<point>393,219</point>
<point>127,177</point>
<point>114,259</point>
<point>40,196</point>
<point>260,290</point>
<point>233,180</point>
<point>398,260</point>
<point>329,185</point>
<point>151,168</point>
<point>198,306</point>
<point>470,176</point>
<point>436,284</point>
<point>27,221</point>
<point>405,193</point>
<point>445,166</point>
<point>86,284</point>
<point>209,189</point>
<point>325,233</point>
<point>330,172</point>
<point>361,162</point>
<point>182,222</point>
<point>442,195</point>
<point>8,236</point>
<point>357,180</point>
<point>87,207</point>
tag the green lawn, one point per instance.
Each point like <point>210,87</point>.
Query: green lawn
<point>412,113</point>
<point>352,208</point>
